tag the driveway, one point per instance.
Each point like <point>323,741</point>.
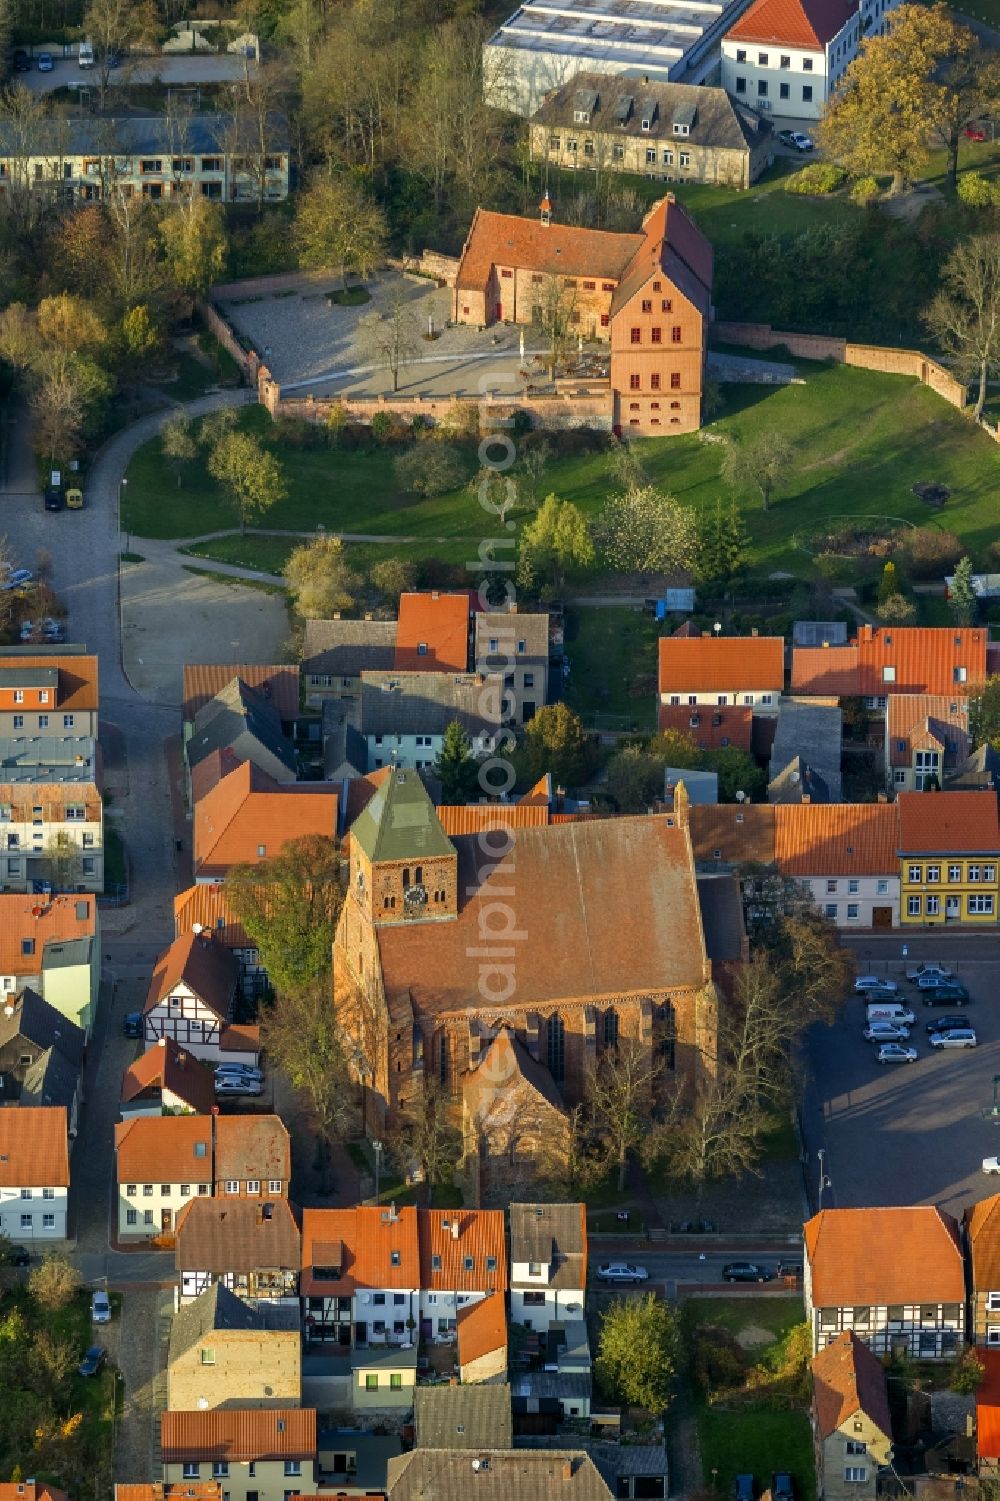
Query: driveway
<point>907,1133</point>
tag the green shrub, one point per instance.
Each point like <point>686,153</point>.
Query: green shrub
<point>818,177</point>
<point>718,1361</point>
<point>382,426</point>
<point>976,191</point>
<point>865,190</point>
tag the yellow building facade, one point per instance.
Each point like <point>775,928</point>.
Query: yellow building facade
<point>949,856</point>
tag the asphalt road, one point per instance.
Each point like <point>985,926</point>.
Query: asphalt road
<point>906,1133</point>
<point>223,67</point>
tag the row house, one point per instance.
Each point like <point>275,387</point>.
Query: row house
<point>703,672</point>
<point>41,1056</point>
<point>982,1238</point>
<point>671,132</point>
<point>402,717</point>
<point>48,690</point>
<point>167,1080</point>
<point>375,1276</point>
<point>150,156</point>
<point>164,1162</point>
<point>895,1277</point>
<point>51,814</point>
<point>926,740</point>
<point>225,1353</point>
<point>516,645</point>
<point>34,1173</point>
<point>53,944</point>
<point>251,1245</point>
<point>191,997</point>
<point>949,857</point>
<point>257,1454</point>
<point>851,1424</point>
<point>885,659</point>
<point>548,1264</point>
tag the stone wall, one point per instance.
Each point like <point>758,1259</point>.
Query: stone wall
<point>213,320</point>
<point>864,356</point>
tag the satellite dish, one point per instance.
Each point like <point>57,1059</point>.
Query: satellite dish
<point>741,797</point>
<point>476,1463</point>
<point>197,927</point>
<point>202,1403</point>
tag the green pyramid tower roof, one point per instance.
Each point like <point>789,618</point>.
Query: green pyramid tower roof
<point>400,822</point>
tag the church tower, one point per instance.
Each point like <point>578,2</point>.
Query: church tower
<point>404,867</point>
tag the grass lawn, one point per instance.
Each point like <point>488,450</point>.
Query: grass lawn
<point>612,655</point>
<point>780,1143</point>
<point>114,858</point>
<point>757,1443</point>
<point>269,554</point>
<point>778,1314</point>
<point>860,441</point>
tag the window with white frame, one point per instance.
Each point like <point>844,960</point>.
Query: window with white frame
<point>954,872</point>
<point>933,874</point>
<point>993,1335</point>
<point>853,912</point>
<point>913,906</point>
<point>933,906</point>
<point>831,910</point>
<point>915,873</point>
<point>973,873</point>
<point>980,905</point>
<point>855,1474</point>
<point>253,1185</point>
<point>853,887</point>
<point>831,887</point>
<point>274,1186</point>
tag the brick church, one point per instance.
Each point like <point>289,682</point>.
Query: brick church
<point>503,963</point>
<point>649,295</point>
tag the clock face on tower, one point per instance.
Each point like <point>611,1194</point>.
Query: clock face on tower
<point>415,897</point>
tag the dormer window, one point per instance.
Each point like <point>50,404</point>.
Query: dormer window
<point>394,1258</point>
<point>534,1268</point>
<point>581,117</point>
<point>681,129</point>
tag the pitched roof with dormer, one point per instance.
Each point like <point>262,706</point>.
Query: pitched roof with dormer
<point>893,659</point>
<point>167,1068</point>
<point>882,1256</point>
<point>463,1250</point>
<point>237,1235</point>
<point>31,927</point>
<point>836,839</point>
<point>238,1434</point>
<point>556,249</point>
<point>248,816</point>
<point>554,1234</point>
<point>164,1149</point>
<point>276,684</point>
<point>432,633</point>
<point>927,721</point>
<point>710,727</point>
<point>849,1379</point>
<point>369,1246</point>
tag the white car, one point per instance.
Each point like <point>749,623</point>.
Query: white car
<point>622,1271</point>
<point>886,1032</point>
<point>874,982</point>
<point>100,1309</point>
<point>932,981</point>
<point>931,972</point>
<point>957,1037</point>
<point>991,1165</point>
<point>893,1052</point>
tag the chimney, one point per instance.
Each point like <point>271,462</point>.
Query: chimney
<point>867,633</point>
<point>545,209</point>
<point>455,1228</point>
<point>567,1469</point>
<point>754,631</point>
<point>681,804</point>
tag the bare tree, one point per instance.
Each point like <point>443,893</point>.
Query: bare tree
<point>389,339</point>
<point>63,861</point>
<point>621,1096</point>
<point>115,26</point>
<point>965,315</point>
<point>556,313</point>
<point>426,1136</point>
<point>26,120</point>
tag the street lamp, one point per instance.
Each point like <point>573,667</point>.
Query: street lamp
<point>821,1154</point>
<point>717,628</point>
<point>377,1149</point>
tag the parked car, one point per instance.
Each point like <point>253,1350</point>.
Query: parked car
<point>874,982</point>
<point>53,498</point>
<point>238,1071</point>
<point>930,972</point>
<point>945,1023</point>
<point>797,139</point>
<point>27,631</point>
<point>746,1271</point>
<point>45,63</point>
<point>894,1052</point>
<point>881,993</point>
<point>889,1011</point>
<point>782,1487</point>
<point>231,1085</point>
<point>100,1308</point>
<point>132,1025</point>
<point>74,498</point>
<point>17,578</point>
<point>743,1488</point>
<point>991,1165</point>
<point>53,630</point>
<point>622,1271</point>
<point>974,133</point>
<point>948,994</point>
<point>93,1361</point>
<point>17,1256</point>
<point>22,62</point>
<point>86,55</point>
<point>957,1037</point>
<point>886,1032</point>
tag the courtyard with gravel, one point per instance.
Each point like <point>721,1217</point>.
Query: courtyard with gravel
<point>313,344</point>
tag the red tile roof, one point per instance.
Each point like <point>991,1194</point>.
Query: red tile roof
<point>278,683</point>
<point>728,665</point>
<point>482,1328</point>
<point>237,1235</point>
<point>432,634</point>
<point>167,1068</point>
<point>558,249</point>
<point>443,1254</point>
<point>185,1490</point>
<point>809,24</point>
<point>164,1149</point>
<point>37,1490</point>
<point>988,1405</point>
<point>238,1434</point>
<point>209,771</point>
<point>741,835</point>
<point>948,823</point>
<point>923,659</point>
<point>33,1147</point>
<point>78,677</point>
<point>716,727</point>
<point>248,811</point>
<point>837,839</point>
<point>365,1239</point>
<point>206,905</point>
<point>59,919</point>
<point>982,1222</point>
<point>205,966</point>
<point>252,1146</point>
<point>847,1379</point>
<point>882,1256</point>
<point>927,721</point>
<point>474,818</point>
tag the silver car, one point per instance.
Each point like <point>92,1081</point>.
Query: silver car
<point>894,1052</point>
<point>100,1308</point>
<point>232,1084</point>
<point>622,1271</point>
<point>957,1037</point>
<point>886,1032</point>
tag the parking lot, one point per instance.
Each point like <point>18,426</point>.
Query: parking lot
<point>913,1133</point>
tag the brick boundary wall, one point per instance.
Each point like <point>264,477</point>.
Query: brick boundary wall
<point>865,356</point>
<point>248,362</point>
